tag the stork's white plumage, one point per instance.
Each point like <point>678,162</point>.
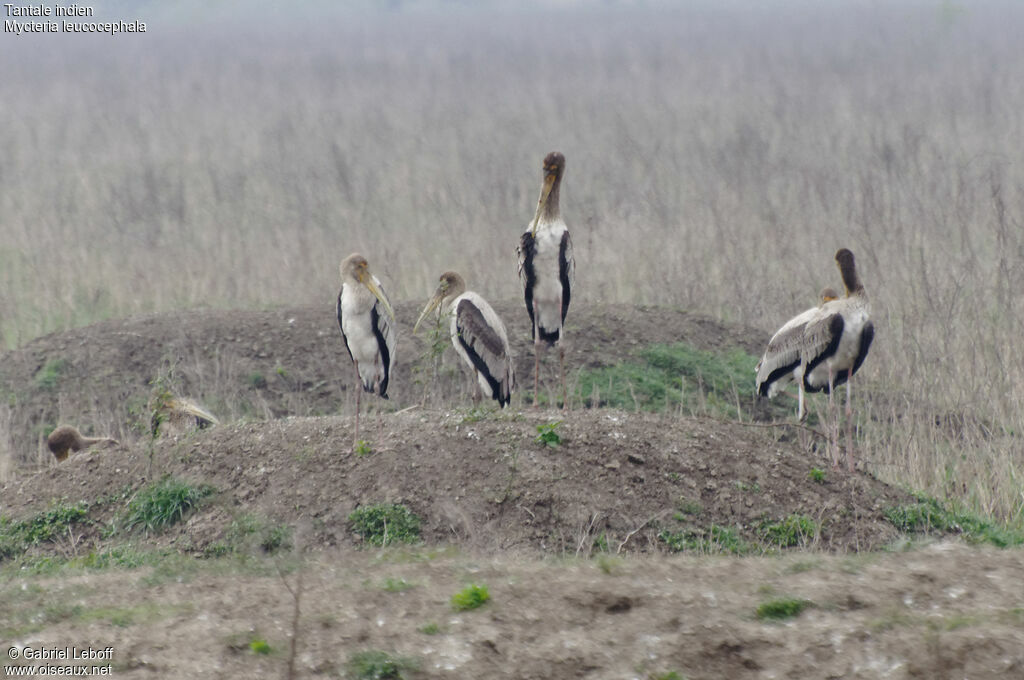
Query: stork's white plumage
<point>835,344</point>
<point>823,348</point>
<point>477,334</point>
<point>781,364</point>
<point>547,270</point>
<point>367,324</point>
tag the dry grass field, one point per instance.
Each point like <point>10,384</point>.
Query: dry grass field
<point>195,187</point>
<point>717,158</point>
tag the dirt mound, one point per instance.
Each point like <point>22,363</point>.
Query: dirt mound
<point>270,364</point>
<point>483,481</point>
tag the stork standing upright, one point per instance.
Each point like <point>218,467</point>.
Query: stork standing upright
<point>547,270</point>
<point>367,324</point>
<point>781,363</point>
<point>835,344</point>
<point>478,335</point>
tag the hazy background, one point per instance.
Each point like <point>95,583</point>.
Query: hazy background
<point>718,154</point>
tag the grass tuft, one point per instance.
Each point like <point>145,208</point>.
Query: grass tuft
<point>163,503</point>
<point>716,539</point>
<point>385,524</point>
<point>470,597</point>
<point>788,532</point>
<point>379,665</point>
<point>782,608</point>
<point>547,434</point>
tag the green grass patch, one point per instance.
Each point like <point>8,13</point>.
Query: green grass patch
<point>49,374</point>
<point>260,646</point>
<point>788,532</point>
<point>548,434</point>
<point>163,503</point>
<point>470,597</point>
<point>396,585</point>
<point>250,533</point>
<point>716,539</point>
<point>377,665</point>
<point>664,377</point>
<point>782,608</point>
<point>816,475</point>
<point>386,523</point>
<point>17,536</point>
<point>929,515</point>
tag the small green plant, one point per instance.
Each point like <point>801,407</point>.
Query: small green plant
<point>470,597</point>
<point>163,503</point>
<point>713,540</point>
<point>378,665</point>
<point>788,532</point>
<point>256,381</point>
<point>685,506</point>
<point>548,435</point>
<point>670,675</point>
<point>385,523</point>
<point>817,475</point>
<point>396,585</point>
<point>259,646</point>
<point>17,536</point>
<point>430,628</point>
<point>363,448</point>
<point>250,531</point>
<point>608,564</point>
<point>782,608</point>
<point>47,376</point>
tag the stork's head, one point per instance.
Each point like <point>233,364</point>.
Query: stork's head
<point>356,270</point>
<point>449,287</point>
<point>828,294</point>
<point>848,270</point>
<point>554,166</point>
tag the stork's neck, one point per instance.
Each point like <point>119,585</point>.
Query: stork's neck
<point>549,211</point>
<point>848,270</point>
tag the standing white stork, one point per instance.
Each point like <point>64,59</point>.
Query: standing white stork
<point>781,364</point>
<point>367,324</point>
<point>478,335</point>
<point>835,344</point>
<point>547,270</point>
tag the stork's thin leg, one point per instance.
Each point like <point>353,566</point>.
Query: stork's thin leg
<point>849,428</point>
<point>561,376</point>
<point>800,412</point>
<point>833,426</point>
<point>359,391</point>
<point>536,354</point>
<point>380,419</point>
<point>477,394</point>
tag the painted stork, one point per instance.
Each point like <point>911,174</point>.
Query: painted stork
<point>547,270</point>
<point>781,364</point>
<point>835,344</point>
<point>478,335</point>
<point>367,324</point>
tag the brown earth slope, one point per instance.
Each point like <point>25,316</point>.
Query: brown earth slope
<point>484,482</point>
<point>269,364</point>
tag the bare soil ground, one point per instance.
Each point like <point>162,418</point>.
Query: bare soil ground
<point>565,537</point>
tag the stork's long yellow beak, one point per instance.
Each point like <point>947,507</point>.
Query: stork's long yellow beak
<point>431,306</point>
<point>379,294</point>
<point>545,191</point>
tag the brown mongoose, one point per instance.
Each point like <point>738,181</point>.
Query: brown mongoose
<point>67,438</point>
